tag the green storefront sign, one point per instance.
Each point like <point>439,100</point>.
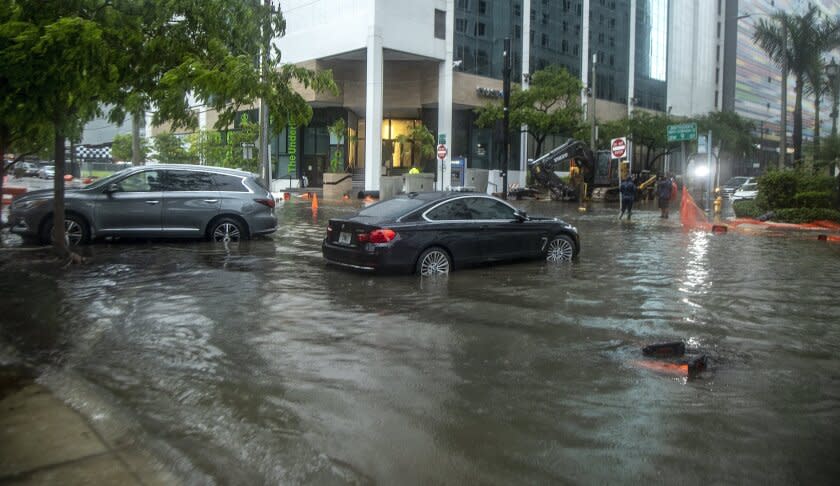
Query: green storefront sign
<point>292,133</point>
<point>682,133</point>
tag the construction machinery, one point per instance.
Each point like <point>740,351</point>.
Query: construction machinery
<point>572,171</point>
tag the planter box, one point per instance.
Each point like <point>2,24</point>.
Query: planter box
<point>419,183</point>
<point>337,184</point>
<point>389,186</point>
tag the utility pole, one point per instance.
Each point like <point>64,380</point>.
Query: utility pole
<point>506,119</point>
<point>592,136</point>
<point>265,161</point>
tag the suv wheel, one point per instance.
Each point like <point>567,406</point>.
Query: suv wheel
<point>227,230</point>
<point>76,231</point>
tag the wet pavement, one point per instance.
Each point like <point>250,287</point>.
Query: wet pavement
<point>259,364</point>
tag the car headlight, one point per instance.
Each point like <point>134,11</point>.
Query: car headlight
<point>32,203</point>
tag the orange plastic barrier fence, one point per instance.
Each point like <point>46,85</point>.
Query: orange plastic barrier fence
<point>691,216</point>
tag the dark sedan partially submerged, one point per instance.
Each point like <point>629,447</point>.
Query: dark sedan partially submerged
<point>431,233</point>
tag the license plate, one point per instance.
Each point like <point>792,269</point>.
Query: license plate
<point>344,238</point>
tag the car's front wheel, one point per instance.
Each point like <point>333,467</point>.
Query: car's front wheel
<point>561,248</point>
<point>227,230</point>
<point>434,261</point>
<point>76,231</point>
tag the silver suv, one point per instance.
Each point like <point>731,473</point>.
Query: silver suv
<point>183,201</point>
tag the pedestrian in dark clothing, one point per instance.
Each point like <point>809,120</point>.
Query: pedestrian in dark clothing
<point>663,192</point>
<point>628,197</point>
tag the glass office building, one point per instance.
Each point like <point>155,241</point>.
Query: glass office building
<point>556,38</point>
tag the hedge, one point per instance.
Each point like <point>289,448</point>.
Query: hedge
<point>814,199</point>
<point>746,208</point>
<point>776,190</point>
<point>806,215</point>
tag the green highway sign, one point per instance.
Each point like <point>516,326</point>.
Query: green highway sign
<point>682,133</point>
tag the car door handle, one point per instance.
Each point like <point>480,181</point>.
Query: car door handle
<point>211,201</point>
<point>152,202</point>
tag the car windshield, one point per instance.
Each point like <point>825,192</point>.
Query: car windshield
<point>392,208</point>
<point>735,181</point>
<point>749,187</point>
<point>107,180</point>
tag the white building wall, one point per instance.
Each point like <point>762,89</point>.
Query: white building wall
<point>322,28</point>
<point>691,57</point>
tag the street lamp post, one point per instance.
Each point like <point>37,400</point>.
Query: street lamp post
<point>832,70</point>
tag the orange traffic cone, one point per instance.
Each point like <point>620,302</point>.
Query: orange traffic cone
<point>314,201</point>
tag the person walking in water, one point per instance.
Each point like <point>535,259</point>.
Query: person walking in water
<point>628,196</point>
<point>664,188</point>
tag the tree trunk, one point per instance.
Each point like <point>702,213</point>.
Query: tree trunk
<point>797,121</point>
<point>538,147</point>
<point>136,158</point>
<point>59,244</point>
<point>817,127</point>
<point>2,171</point>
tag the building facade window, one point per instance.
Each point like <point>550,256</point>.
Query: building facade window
<point>440,24</point>
<point>460,25</point>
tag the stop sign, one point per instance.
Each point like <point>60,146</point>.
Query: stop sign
<point>618,147</point>
<point>441,151</point>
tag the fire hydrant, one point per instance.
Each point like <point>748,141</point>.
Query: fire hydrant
<point>718,204</point>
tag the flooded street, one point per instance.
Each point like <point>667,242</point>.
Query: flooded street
<point>262,365</point>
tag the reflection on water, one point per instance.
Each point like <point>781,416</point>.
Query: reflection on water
<point>259,364</point>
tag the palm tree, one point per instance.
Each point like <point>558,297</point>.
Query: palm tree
<point>808,37</point>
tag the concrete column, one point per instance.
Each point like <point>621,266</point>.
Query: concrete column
<point>631,70</point>
<point>373,108</point>
<point>445,99</point>
<point>526,70</point>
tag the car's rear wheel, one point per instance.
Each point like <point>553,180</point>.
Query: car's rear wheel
<point>76,231</point>
<point>227,230</point>
<point>561,248</point>
<point>434,261</point>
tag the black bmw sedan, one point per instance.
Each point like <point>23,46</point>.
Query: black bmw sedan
<point>435,232</point>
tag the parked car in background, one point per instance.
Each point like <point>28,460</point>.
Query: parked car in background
<point>436,232</point>
<point>47,172</point>
<point>26,169</point>
<point>746,191</point>
<point>183,201</point>
<point>733,184</point>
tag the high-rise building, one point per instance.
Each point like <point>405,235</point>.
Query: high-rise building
<point>752,81</point>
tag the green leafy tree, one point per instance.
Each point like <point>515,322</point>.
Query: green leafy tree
<point>247,133</point>
<point>68,58</point>
<point>221,73</point>
<point>338,130</point>
<point>122,148</point>
<point>733,133</point>
<point>551,106</point>
<point>647,131</point>
<point>65,59</point>
<point>207,148</point>
<point>797,42</point>
<point>421,141</point>
<point>170,149</point>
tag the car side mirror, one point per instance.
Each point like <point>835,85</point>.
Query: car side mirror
<point>112,188</point>
<point>520,215</point>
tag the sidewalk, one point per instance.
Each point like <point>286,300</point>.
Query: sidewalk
<point>44,441</point>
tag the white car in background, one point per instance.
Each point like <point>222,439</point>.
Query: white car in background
<point>746,191</point>
<point>47,172</point>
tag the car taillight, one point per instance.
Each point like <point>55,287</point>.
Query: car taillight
<point>266,202</point>
<point>382,235</point>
